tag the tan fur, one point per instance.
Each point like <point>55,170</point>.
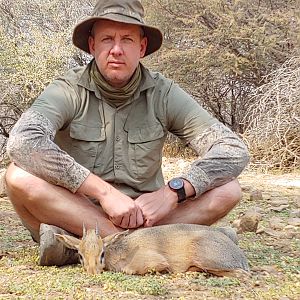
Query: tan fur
<point>90,248</point>
<point>172,248</point>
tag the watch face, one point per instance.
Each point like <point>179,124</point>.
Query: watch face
<point>176,183</point>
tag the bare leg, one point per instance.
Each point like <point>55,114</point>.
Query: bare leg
<point>37,201</point>
<point>208,208</point>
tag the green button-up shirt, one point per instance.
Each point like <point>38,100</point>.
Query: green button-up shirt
<point>123,145</point>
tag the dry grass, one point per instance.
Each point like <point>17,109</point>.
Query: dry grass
<point>273,135</point>
<point>174,148</point>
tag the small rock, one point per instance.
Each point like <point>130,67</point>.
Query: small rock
<point>289,233</point>
<point>279,202</point>
<point>294,221</point>
<point>276,223</point>
<point>297,201</point>
<point>279,208</point>
<point>246,188</point>
<point>267,196</point>
<point>248,221</point>
<point>272,232</point>
<point>295,213</point>
<point>257,283</point>
<point>256,195</point>
<point>268,269</point>
<point>289,227</point>
<point>260,229</point>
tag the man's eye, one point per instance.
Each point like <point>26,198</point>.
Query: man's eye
<point>107,39</point>
<point>128,39</point>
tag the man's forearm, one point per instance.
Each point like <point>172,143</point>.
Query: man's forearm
<point>31,147</point>
<point>222,157</point>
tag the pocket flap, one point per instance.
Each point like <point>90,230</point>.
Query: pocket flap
<point>86,133</point>
<point>145,134</point>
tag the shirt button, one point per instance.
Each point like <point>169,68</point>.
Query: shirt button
<point>118,138</point>
<point>117,167</point>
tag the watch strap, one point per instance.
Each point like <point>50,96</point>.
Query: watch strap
<point>179,191</point>
<point>181,195</point>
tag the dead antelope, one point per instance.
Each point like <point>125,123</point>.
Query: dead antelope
<point>171,248</point>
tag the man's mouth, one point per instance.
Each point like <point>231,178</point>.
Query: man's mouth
<point>115,64</point>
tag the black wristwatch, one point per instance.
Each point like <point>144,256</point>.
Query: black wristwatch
<point>177,185</point>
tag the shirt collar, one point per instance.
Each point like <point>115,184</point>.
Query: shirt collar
<point>87,82</point>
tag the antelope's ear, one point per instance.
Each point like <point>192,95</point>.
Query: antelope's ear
<point>68,240</point>
<point>115,236</point>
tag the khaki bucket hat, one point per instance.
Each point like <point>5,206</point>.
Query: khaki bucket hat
<point>124,11</point>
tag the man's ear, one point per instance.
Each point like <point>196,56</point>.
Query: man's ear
<point>91,42</point>
<point>144,43</point>
<point>68,240</point>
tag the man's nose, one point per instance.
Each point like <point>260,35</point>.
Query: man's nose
<point>116,49</point>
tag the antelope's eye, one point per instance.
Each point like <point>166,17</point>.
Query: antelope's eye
<point>102,258</point>
<point>81,259</point>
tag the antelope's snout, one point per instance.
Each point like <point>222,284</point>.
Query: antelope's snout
<point>91,250</point>
<point>94,264</point>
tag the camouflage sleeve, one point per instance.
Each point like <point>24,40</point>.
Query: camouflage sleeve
<point>222,157</point>
<point>31,147</point>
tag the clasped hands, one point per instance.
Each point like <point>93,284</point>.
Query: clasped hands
<point>146,210</point>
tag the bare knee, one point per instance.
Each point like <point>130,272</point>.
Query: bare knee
<point>224,198</point>
<point>20,183</point>
<point>231,192</point>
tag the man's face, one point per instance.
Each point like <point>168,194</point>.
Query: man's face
<point>117,48</point>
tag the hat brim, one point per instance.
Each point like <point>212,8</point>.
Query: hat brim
<point>82,31</point>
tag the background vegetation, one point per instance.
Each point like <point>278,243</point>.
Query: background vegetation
<point>238,58</point>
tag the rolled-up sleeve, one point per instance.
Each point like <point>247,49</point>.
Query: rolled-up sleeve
<point>31,147</point>
<point>222,157</point>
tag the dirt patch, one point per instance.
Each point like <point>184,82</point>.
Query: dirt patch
<point>273,252</point>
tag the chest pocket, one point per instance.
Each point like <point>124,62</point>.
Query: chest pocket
<point>86,142</point>
<point>145,150</point>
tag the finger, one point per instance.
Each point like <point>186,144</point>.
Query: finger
<point>116,220</point>
<point>132,221</point>
<point>136,219</point>
<point>125,221</point>
<point>139,218</point>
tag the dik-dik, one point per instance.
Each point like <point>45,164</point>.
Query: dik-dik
<point>169,248</point>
